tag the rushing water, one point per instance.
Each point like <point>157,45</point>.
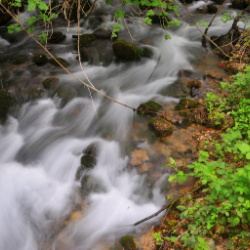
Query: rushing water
<point>42,141</point>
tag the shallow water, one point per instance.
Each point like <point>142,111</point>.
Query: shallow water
<point>42,141</point>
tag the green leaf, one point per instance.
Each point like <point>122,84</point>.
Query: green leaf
<point>31,6</point>
<point>181,208</point>
<point>174,239</point>
<point>164,5</point>
<point>150,13</point>
<point>172,178</point>
<point>172,161</point>
<point>241,199</point>
<point>236,221</point>
<point>108,2</point>
<point>42,6</point>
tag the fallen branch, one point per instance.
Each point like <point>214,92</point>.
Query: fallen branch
<point>203,41</point>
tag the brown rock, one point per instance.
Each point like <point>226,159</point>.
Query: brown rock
<point>196,84</point>
<point>138,156</point>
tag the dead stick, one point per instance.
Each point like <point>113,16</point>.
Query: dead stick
<point>206,30</point>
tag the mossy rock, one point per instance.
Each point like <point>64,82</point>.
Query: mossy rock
<point>234,68</point>
<point>186,72</point>
<point>50,83</point>
<point>147,52</point>
<point>91,149</point>
<point>102,34</point>
<point>126,51</point>
<point>20,59</point>
<point>5,103</point>
<point>88,160</point>
<point>148,108</point>
<point>128,242</point>
<point>85,40</point>
<point>34,93</point>
<point>161,127</point>
<point>56,37</point>
<point>40,59</point>
<point>212,9</point>
<point>177,89</point>
<point>60,60</point>
<point>184,105</point>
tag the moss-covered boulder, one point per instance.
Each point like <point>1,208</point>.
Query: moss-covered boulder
<point>20,59</point>
<point>177,89</point>
<point>60,60</point>
<point>234,68</point>
<point>50,83</point>
<point>40,59</point>
<point>126,51</point>
<point>212,9</point>
<point>5,103</point>
<point>128,242</point>
<point>184,105</point>
<point>196,84</point>
<point>85,40</point>
<point>149,108</point>
<point>91,149</point>
<point>56,37</point>
<point>88,160</point>
<point>161,127</point>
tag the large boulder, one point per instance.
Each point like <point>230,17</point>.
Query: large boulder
<point>149,108</point>
<point>5,103</point>
<point>177,89</point>
<point>126,51</point>
<point>161,127</point>
<point>40,59</point>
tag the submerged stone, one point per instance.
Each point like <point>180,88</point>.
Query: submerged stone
<point>20,59</point>
<point>177,89</point>
<point>196,84</point>
<point>147,52</point>
<point>50,83</point>
<point>40,59</point>
<point>149,108</point>
<point>161,127</point>
<point>85,40</point>
<point>5,103</point>
<point>184,105</point>
<point>126,51</point>
<point>88,160</point>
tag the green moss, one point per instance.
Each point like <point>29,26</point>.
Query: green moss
<point>147,52</point>
<point>161,127</point>
<point>148,108</point>
<point>177,89</point>
<point>60,60</point>
<point>5,103</point>
<point>89,161</point>
<point>128,242</point>
<point>126,51</point>
<point>40,59</point>
<point>188,103</point>
<point>50,83</point>
<point>85,40</point>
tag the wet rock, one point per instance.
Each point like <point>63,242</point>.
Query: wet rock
<point>145,167</point>
<point>34,93</point>
<point>56,37</point>
<point>84,55</point>
<point>50,83</point>
<point>90,183</point>
<point>85,40</point>
<point>194,92</point>
<point>185,104</point>
<point>126,51</point>
<point>67,93</point>
<point>234,68</point>
<point>187,1</point>
<point>60,60</point>
<point>149,108</point>
<point>4,17</point>
<point>128,242</point>
<point>161,127</point>
<point>91,149</point>
<point>146,52</point>
<point>40,59</point>
<point>196,84</point>
<point>20,59</point>
<point>79,172</point>
<point>177,89</point>
<point>211,75</point>
<point>186,72</point>
<point>212,9</point>
<point>102,34</point>
<point>138,156</point>
<point>202,9</point>
<point>5,103</point>
<point>88,160</point>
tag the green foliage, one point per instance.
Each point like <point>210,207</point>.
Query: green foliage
<point>226,17</point>
<point>202,22</point>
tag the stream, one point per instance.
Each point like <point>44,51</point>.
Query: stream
<point>42,205</point>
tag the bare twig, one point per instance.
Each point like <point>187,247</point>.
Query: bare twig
<point>206,30</point>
